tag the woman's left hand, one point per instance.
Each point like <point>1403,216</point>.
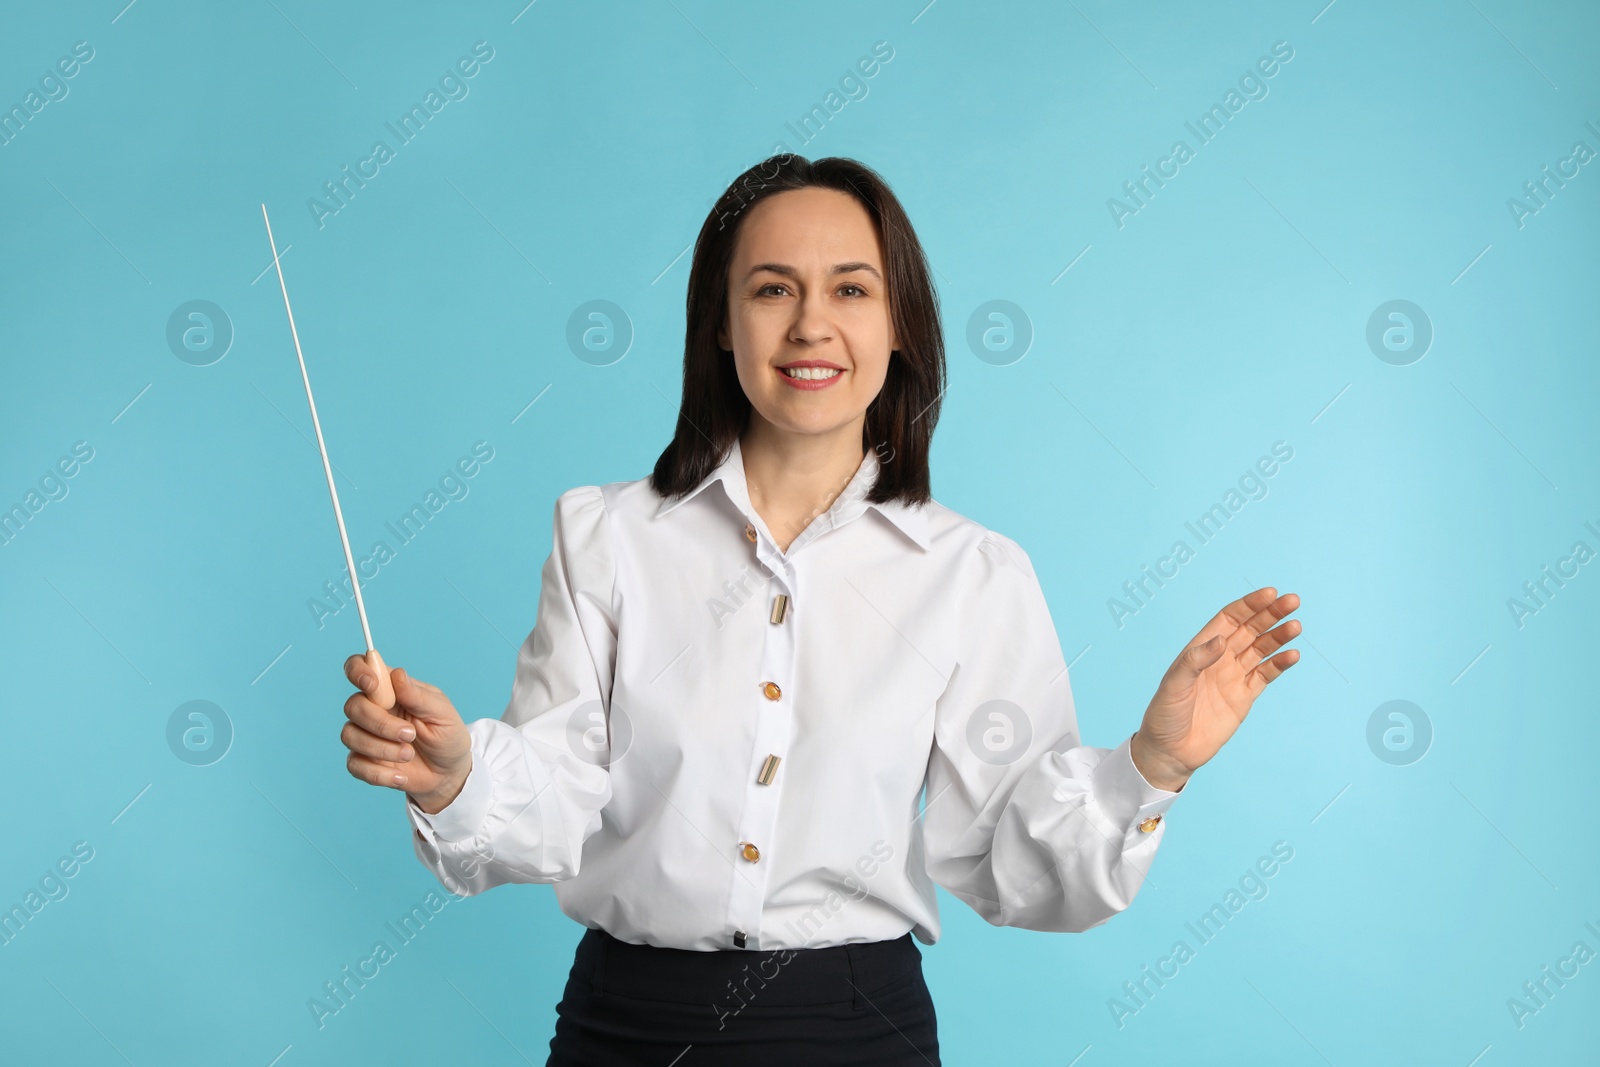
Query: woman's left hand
<point>1209,688</point>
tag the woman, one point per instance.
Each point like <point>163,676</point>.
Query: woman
<point>775,692</point>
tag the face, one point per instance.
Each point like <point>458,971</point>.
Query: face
<point>806,288</point>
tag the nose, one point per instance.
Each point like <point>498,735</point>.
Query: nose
<point>812,323</point>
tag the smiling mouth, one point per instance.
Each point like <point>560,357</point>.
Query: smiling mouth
<point>811,374</point>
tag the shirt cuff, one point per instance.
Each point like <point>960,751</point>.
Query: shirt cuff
<point>464,817</point>
<point>1127,797</point>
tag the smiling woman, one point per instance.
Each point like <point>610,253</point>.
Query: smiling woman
<point>750,810</point>
<point>814,323</point>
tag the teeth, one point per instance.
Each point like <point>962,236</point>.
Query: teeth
<point>810,373</point>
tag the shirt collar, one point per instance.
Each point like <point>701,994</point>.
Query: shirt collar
<point>850,503</point>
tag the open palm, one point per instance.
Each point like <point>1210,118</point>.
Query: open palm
<point>1208,690</point>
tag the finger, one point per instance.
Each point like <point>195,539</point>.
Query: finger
<point>430,687</point>
<point>1260,620</point>
<point>1196,658</point>
<point>383,694</point>
<point>1270,642</point>
<point>381,722</point>
<point>426,703</point>
<point>1233,615</point>
<point>370,674</point>
<point>375,772</point>
<point>1268,671</point>
<point>359,672</point>
<point>366,743</point>
<point>1247,605</point>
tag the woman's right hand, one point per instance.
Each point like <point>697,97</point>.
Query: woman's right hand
<point>418,743</point>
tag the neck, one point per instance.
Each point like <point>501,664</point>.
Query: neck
<point>793,477</point>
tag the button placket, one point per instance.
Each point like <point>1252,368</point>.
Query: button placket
<point>772,704</point>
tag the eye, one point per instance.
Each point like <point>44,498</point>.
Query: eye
<point>858,290</point>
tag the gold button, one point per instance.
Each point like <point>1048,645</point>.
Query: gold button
<point>749,531</point>
<point>769,768</point>
<point>1149,824</point>
<point>750,852</point>
<point>772,691</point>
<point>780,607</point>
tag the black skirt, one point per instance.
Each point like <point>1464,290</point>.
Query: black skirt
<point>862,1003</point>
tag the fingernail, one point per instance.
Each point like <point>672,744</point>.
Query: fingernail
<point>399,779</point>
<point>365,682</point>
<point>407,733</point>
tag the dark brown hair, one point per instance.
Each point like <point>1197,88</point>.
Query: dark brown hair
<point>715,411</point>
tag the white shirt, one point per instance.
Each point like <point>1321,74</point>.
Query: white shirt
<point>902,628</point>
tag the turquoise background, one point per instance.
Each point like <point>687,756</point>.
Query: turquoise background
<point>1229,313</point>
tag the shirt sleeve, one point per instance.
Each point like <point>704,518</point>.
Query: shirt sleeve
<point>539,772</point>
<point>1022,822</point>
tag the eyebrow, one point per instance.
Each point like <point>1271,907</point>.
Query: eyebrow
<point>839,268</point>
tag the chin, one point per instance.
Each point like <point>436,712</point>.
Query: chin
<point>815,423</point>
